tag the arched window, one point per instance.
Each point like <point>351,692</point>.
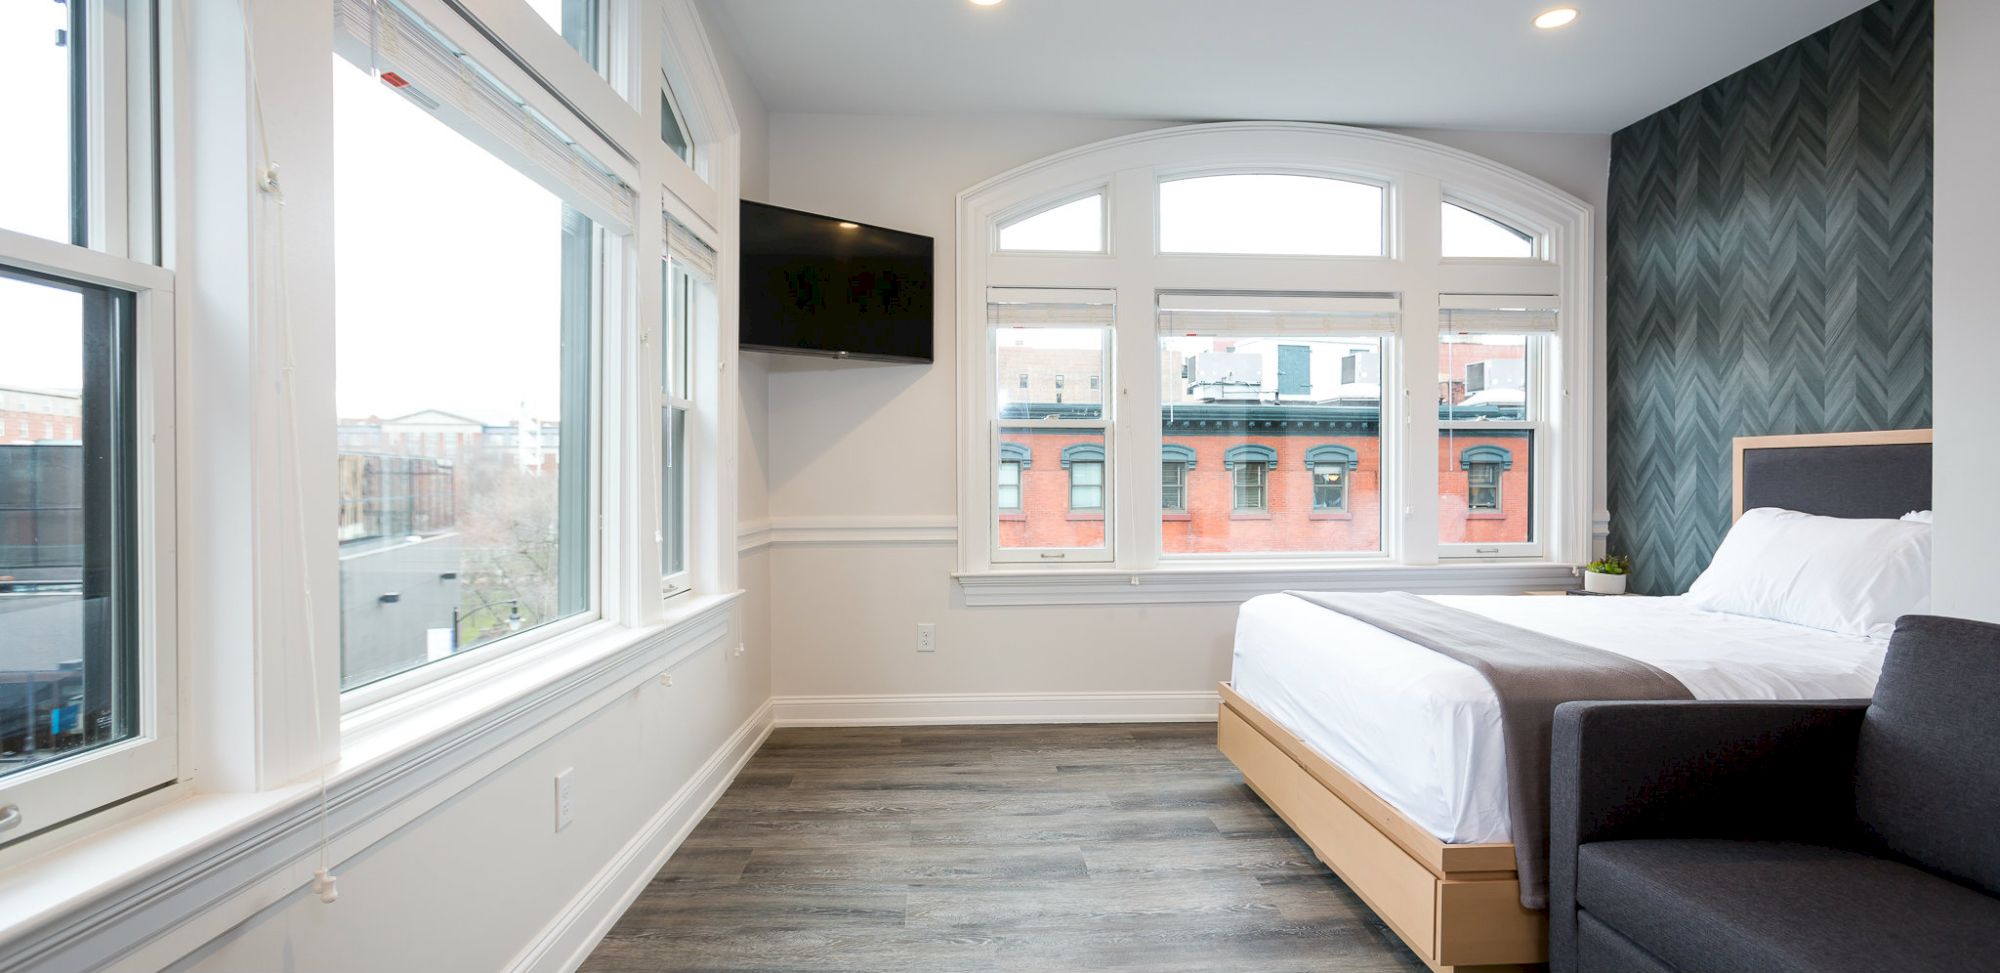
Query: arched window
<point>1074,226</point>
<point>1308,290</point>
<point>1472,234</point>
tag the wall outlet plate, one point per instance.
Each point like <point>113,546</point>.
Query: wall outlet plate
<point>926,636</point>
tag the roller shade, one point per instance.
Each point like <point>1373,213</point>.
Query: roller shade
<point>1025,306</point>
<point>1272,314</point>
<point>1497,314</point>
<point>449,83</point>
<point>689,250</point>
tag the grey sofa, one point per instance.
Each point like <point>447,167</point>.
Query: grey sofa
<point>1787,836</point>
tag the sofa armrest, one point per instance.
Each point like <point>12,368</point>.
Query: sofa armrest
<point>1675,769</point>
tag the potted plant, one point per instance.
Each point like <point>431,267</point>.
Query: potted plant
<point>1606,575</point>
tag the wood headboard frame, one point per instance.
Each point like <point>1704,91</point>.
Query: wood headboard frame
<point>1893,437</point>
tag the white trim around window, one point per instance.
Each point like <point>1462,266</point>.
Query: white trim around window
<point>1417,177</point>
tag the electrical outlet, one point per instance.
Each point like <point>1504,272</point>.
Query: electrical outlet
<point>565,801</point>
<point>926,637</point>
<point>737,652</point>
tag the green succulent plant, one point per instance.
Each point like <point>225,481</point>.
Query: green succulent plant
<point>1616,564</point>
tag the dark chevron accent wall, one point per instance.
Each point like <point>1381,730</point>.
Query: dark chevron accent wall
<point>1770,273</point>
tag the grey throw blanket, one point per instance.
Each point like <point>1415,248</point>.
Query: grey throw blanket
<point>1531,673</point>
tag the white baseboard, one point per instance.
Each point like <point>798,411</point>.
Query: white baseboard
<point>961,708</point>
<point>567,941</point>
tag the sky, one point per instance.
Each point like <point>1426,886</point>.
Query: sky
<point>447,282</point>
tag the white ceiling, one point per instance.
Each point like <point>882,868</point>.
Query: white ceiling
<point>1444,63</point>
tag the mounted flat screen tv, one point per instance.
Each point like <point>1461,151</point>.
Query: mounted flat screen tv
<point>816,285</point>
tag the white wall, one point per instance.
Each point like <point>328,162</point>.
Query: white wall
<point>1964,339</point>
<point>861,447</point>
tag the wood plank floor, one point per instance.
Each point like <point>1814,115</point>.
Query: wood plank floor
<point>1114,847</point>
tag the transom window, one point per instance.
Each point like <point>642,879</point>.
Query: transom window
<point>1302,311</point>
<point>1076,226</point>
<point>1271,213</point>
<point>1472,234</point>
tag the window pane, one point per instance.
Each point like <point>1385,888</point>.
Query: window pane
<point>1047,357</point>
<point>38,188</point>
<point>1257,423</point>
<point>1009,496</point>
<point>673,492</point>
<point>1271,214</point>
<point>577,21</point>
<point>1470,234</point>
<point>1483,376</point>
<point>1173,487</point>
<point>449,386</point>
<point>1075,227</point>
<point>672,130</point>
<point>1485,486</point>
<point>1061,492</point>
<point>69,655</point>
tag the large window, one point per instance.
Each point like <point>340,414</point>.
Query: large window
<point>87,655</point>
<point>463,385</point>
<point>1305,292</point>
<point>1266,387</point>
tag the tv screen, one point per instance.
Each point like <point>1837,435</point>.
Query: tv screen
<point>815,285</point>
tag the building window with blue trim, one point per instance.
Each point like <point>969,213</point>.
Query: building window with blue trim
<point>1332,470</point>
<point>1483,466</point>
<point>1013,459</point>
<point>1249,468</point>
<point>1086,477</point>
<point>1175,462</point>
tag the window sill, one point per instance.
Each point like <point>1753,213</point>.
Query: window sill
<point>1007,517</point>
<point>1176,517</point>
<point>1485,515</point>
<point>1233,584</point>
<point>1330,515</point>
<point>1249,515</point>
<point>105,895</point>
<point>1086,516</point>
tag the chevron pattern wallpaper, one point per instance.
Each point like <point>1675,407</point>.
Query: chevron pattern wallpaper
<point>1770,273</point>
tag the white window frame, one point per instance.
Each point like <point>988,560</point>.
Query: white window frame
<point>1418,176</point>
<point>1543,407</point>
<point>988,386</point>
<point>121,250</point>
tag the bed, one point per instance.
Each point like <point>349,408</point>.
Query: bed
<point>1385,757</point>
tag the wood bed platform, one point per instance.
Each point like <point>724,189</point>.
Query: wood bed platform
<point>1458,907</point>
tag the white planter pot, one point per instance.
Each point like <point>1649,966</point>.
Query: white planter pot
<point>1603,584</point>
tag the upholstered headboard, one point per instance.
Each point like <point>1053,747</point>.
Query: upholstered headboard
<point>1842,474</point>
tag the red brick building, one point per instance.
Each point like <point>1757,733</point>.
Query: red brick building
<point>1307,481</point>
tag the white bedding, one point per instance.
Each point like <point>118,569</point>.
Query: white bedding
<point>1423,731</point>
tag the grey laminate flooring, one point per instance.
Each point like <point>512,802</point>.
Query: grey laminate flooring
<point>1114,847</point>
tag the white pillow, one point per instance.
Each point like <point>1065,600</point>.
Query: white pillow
<point>1918,516</point>
<point>1850,576</point>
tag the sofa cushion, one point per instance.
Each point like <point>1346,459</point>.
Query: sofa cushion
<point>1927,765</point>
<point>1773,907</point>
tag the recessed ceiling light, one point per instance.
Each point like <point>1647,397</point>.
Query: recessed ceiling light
<point>985,3</point>
<point>854,226</point>
<point>1557,17</point>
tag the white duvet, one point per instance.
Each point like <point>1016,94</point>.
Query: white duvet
<point>1423,731</point>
